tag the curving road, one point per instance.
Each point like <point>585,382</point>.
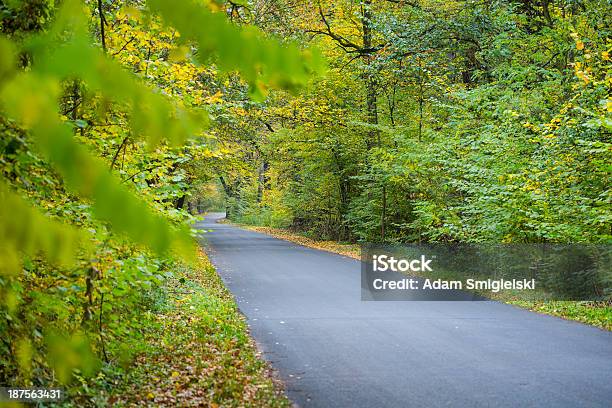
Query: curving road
<point>333,350</point>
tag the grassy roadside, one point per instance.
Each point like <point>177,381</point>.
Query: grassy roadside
<point>597,314</point>
<point>194,350</point>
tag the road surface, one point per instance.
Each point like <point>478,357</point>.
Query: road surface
<point>333,350</point>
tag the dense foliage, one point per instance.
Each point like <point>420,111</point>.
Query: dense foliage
<point>104,141</point>
<point>457,121</point>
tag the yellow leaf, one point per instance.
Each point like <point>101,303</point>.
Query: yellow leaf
<point>215,98</point>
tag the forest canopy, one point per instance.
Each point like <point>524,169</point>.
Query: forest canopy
<point>460,121</point>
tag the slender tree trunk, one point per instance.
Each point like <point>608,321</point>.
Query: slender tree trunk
<point>383,214</point>
<point>391,104</point>
<point>344,190</point>
<point>372,108</point>
<point>102,33</point>
<point>229,194</point>
<point>421,99</point>
<point>421,116</point>
<point>262,180</point>
<point>121,146</point>
<point>370,83</point>
<point>546,12</point>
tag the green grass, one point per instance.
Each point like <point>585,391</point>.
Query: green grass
<point>597,314</point>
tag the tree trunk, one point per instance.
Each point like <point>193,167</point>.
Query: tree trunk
<point>421,115</point>
<point>102,33</point>
<point>370,84</point>
<point>546,12</point>
<point>262,180</point>
<point>383,214</point>
<point>230,193</point>
<point>372,110</point>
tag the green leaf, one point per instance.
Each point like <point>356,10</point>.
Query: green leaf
<point>24,230</point>
<point>258,59</point>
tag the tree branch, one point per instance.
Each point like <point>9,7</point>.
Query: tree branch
<point>347,45</point>
<point>141,171</point>
<point>125,139</point>
<point>124,45</point>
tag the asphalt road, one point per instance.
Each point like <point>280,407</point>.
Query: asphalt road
<point>333,350</point>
